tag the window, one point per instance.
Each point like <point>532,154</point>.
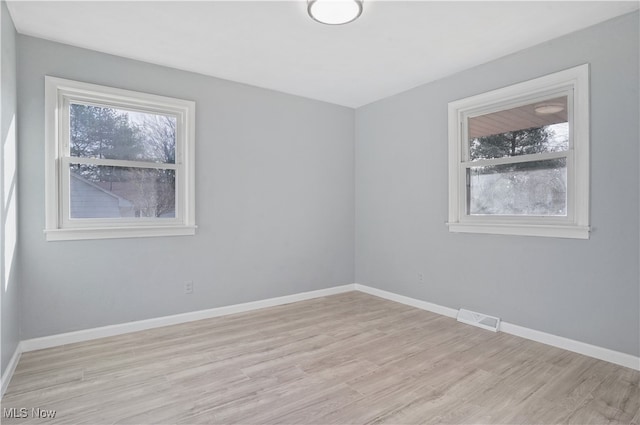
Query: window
<point>118,163</point>
<point>519,158</point>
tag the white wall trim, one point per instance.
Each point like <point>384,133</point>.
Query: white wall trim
<point>594,351</point>
<point>11,367</point>
<point>423,305</point>
<point>123,328</point>
<point>601,353</point>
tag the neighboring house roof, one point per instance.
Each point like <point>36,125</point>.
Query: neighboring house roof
<point>123,189</point>
<point>88,200</point>
<point>144,192</point>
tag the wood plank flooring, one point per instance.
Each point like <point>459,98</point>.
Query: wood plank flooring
<point>345,359</point>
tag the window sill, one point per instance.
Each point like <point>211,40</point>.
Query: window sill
<point>117,232</point>
<point>545,230</point>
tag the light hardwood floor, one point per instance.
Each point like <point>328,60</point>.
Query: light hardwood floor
<point>345,359</point>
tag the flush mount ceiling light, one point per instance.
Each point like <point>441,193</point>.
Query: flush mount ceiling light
<point>334,12</point>
<point>548,108</point>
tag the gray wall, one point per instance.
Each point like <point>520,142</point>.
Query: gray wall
<point>8,190</point>
<point>274,202</point>
<point>584,290</point>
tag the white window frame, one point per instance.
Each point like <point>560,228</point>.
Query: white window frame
<point>59,94</point>
<point>573,82</point>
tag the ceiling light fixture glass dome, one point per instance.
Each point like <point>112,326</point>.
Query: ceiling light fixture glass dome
<point>548,108</point>
<point>334,12</point>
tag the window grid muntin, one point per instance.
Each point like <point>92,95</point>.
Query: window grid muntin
<point>65,160</point>
<point>466,162</point>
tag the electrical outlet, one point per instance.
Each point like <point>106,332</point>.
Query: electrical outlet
<point>421,277</point>
<point>188,287</point>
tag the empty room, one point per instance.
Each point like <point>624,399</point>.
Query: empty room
<point>320,212</point>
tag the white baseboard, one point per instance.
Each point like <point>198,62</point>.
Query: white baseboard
<point>611,356</point>
<point>423,305</point>
<point>601,353</point>
<point>123,328</point>
<point>11,367</point>
<point>594,351</point>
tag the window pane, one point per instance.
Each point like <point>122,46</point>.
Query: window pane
<point>537,188</point>
<point>121,192</point>
<point>109,133</point>
<point>529,129</point>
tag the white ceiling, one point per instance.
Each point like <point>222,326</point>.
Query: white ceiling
<point>393,46</point>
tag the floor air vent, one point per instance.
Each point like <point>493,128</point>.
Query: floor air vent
<point>478,319</point>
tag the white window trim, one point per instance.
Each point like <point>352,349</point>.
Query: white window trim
<point>58,93</point>
<point>576,224</point>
